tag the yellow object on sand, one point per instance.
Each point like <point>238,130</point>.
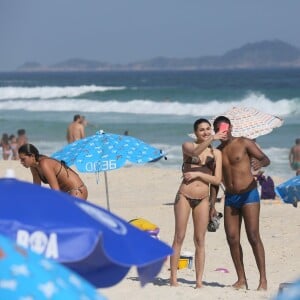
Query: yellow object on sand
<point>183,263</point>
<point>143,224</point>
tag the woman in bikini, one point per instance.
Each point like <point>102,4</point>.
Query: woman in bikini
<point>51,171</point>
<point>6,150</point>
<point>202,166</point>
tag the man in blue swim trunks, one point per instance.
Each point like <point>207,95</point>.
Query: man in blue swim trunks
<point>242,201</point>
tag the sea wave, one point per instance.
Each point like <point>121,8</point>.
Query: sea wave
<point>283,107</point>
<point>48,92</point>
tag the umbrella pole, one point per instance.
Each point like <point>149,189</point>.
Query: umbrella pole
<point>106,190</point>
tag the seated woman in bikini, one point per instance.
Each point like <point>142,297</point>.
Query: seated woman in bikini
<point>51,171</point>
<point>202,166</point>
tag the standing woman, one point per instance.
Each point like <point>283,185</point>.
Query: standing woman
<point>202,166</point>
<point>51,171</point>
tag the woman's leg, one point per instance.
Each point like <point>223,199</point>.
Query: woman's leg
<point>200,219</point>
<point>181,213</point>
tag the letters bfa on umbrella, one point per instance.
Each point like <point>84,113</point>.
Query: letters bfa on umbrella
<point>104,152</point>
<point>98,245</point>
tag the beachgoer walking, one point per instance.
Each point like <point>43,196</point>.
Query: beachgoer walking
<point>201,166</point>
<point>294,157</point>
<point>75,130</point>
<point>242,200</point>
<point>51,171</point>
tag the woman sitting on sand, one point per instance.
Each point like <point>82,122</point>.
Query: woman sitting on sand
<point>51,171</point>
<point>202,166</point>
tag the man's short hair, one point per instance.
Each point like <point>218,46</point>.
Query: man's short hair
<point>220,119</point>
<point>21,131</point>
<point>297,141</point>
<point>76,117</point>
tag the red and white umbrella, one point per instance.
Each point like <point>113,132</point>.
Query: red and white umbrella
<point>250,122</point>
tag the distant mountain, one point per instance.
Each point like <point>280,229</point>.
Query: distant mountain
<point>260,55</point>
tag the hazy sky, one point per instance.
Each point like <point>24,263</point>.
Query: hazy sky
<point>122,31</point>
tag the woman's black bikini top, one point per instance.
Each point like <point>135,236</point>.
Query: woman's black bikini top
<point>208,167</point>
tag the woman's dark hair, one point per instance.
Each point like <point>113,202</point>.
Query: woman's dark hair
<point>5,138</point>
<point>199,121</point>
<point>29,149</point>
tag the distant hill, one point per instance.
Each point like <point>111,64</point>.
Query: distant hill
<point>260,55</point>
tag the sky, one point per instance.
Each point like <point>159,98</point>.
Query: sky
<point>123,31</point>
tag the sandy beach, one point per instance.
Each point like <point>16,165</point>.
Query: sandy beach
<point>148,192</point>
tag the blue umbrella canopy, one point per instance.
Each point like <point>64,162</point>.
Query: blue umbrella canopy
<point>289,191</point>
<point>290,291</point>
<point>95,243</point>
<point>107,151</point>
<point>104,152</point>
<point>27,275</point>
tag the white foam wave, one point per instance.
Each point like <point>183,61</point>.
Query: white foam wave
<point>48,92</point>
<point>283,107</point>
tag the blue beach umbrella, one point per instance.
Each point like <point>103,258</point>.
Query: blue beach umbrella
<point>104,152</point>
<point>290,291</point>
<point>27,275</point>
<point>289,191</point>
<point>90,240</point>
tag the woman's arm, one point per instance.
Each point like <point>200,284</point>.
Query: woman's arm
<point>189,149</point>
<point>260,159</point>
<point>35,176</point>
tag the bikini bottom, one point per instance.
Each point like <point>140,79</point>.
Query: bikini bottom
<point>74,191</point>
<point>192,201</point>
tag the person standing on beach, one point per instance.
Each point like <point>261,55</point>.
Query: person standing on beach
<point>294,157</point>
<point>75,130</point>
<point>21,137</point>
<point>14,147</point>
<point>51,171</point>
<point>242,201</point>
<point>6,149</point>
<point>202,166</point>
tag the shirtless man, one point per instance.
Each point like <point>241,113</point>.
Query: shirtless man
<point>21,138</point>
<point>294,157</point>
<point>75,130</point>
<point>242,201</point>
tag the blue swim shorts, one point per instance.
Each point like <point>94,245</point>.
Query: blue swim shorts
<point>239,200</point>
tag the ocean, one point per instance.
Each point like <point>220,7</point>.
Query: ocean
<point>157,107</point>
